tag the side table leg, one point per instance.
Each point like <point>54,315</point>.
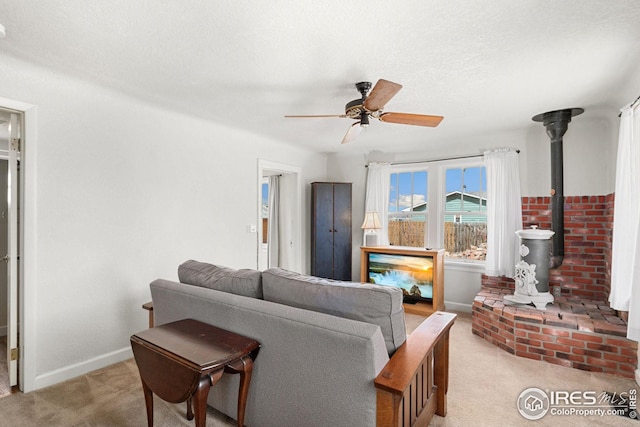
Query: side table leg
<point>200,401</point>
<point>244,367</point>
<point>199,398</point>
<point>189,410</point>
<point>148,401</point>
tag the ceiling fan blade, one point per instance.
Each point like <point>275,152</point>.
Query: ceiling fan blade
<point>315,116</point>
<point>352,133</point>
<point>411,119</point>
<point>381,93</point>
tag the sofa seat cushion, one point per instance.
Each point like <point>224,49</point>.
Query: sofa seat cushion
<point>244,282</point>
<point>379,305</point>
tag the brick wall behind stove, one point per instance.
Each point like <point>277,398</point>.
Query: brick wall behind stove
<point>588,224</point>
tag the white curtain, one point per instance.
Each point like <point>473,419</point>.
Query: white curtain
<point>625,266</point>
<point>377,197</point>
<point>273,230</point>
<point>286,191</point>
<point>504,211</point>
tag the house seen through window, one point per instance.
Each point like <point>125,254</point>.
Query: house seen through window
<point>408,209</point>
<point>454,217</point>
<point>465,213</point>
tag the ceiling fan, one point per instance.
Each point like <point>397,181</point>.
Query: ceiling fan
<point>371,107</point>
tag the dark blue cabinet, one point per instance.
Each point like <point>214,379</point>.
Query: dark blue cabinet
<point>331,230</point>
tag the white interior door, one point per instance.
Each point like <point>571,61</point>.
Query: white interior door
<point>12,250</point>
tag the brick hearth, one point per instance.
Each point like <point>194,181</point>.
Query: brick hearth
<point>572,332</point>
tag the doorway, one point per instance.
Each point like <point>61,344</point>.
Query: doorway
<point>10,134</point>
<point>5,386</point>
<point>289,225</point>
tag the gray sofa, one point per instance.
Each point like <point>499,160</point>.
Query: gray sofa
<point>323,342</point>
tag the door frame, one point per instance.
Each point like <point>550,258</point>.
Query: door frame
<point>12,258</point>
<point>269,167</point>
<point>27,238</point>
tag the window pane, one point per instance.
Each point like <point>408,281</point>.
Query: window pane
<point>466,190</point>
<point>404,191</point>
<point>472,179</point>
<point>265,211</point>
<point>474,186</point>
<point>453,180</point>
<point>265,200</point>
<point>453,184</point>
<point>419,191</point>
<point>393,193</point>
<point>466,238</point>
<point>408,208</point>
<point>412,191</point>
<point>465,227</point>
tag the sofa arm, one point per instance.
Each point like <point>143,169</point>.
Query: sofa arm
<point>410,386</point>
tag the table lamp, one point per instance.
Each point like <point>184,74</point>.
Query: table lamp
<point>370,224</point>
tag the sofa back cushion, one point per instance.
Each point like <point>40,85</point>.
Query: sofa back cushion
<point>243,282</point>
<point>379,305</point>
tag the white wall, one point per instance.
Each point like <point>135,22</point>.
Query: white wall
<point>462,282</point>
<point>124,192</point>
<point>589,152</point>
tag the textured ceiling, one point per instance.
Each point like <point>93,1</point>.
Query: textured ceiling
<point>486,66</point>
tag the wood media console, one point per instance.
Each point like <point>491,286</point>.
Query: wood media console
<point>396,261</point>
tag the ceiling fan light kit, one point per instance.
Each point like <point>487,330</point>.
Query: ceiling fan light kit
<point>371,106</point>
<point>352,133</point>
<point>364,119</point>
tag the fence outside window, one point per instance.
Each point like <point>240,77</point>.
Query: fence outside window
<point>461,240</point>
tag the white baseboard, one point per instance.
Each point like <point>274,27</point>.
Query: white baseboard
<point>456,306</point>
<point>72,371</point>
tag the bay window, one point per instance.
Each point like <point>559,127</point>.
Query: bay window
<point>440,205</point>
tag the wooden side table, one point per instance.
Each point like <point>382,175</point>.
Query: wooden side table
<point>181,360</point>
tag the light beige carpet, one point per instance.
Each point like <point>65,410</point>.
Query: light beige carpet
<point>108,397</point>
<point>485,382</point>
<point>484,386</point>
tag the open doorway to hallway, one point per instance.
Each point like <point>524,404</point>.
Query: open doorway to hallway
<point>10,131</point>
<point>279,228</point>
<point>5,388</point>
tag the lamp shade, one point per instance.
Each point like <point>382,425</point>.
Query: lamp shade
<point>371,221</point>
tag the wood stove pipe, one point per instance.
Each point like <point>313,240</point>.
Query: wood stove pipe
<point>556,124</point>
